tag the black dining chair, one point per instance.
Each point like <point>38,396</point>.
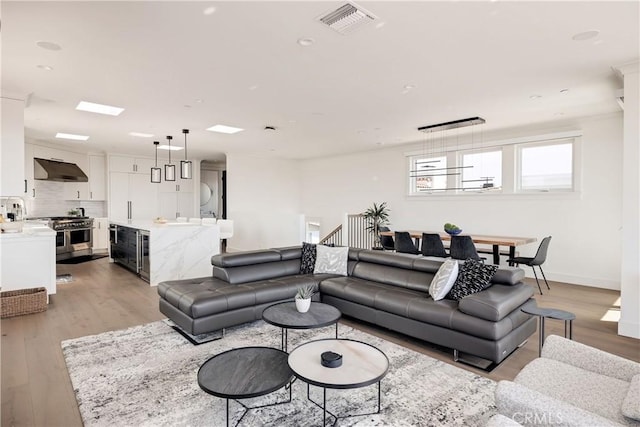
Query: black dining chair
<point>462,247</point>
<point>404,243</point>
<point>432,245</point>
<point>386,241</point>
<point>539,259</point>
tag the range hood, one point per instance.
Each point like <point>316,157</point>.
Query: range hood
<point>52,170</point>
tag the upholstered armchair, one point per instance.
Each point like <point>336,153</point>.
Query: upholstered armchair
<point>571,384</point>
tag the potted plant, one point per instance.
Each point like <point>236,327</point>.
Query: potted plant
<point>303,298</point>
<point>376,216</point>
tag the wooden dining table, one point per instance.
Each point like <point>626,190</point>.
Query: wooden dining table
<point>495,241</point>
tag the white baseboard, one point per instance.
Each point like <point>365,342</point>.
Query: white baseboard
<point>628,329</point>
<point>575,280</point>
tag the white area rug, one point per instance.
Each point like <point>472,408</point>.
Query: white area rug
<point>147,376</point>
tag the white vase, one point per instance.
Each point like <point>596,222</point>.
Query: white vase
<point>302,305</point>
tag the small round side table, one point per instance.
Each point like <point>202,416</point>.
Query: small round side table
<point>552,313</point>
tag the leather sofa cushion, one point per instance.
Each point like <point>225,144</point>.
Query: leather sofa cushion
<point>495,302</point>
<point>293,252</point>
<point>252,273</point>
<point>508,276</point>
<point>392,275</point>
<point>245,258</point>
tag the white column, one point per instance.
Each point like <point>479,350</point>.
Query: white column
<point>629,324</point>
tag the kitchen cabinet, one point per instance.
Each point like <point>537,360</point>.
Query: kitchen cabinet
<point>28,259</point>
<point>100,234</point>
<point>176,198</point>
<point>124,246</point>
<point>132,196</point>
<point>97,177</point>
<point>12,172</point>
<point>140,165</point>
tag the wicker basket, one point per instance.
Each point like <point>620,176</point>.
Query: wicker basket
<point>23,301</point>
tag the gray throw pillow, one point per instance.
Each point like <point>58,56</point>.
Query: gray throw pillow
<point>474,276</point>
<point>331,260</point>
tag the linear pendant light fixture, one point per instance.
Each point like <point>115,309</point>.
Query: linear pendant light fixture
<point>156,172</point>
<point>453,125</point>
<point>186,166</point>
<point>169,169</point>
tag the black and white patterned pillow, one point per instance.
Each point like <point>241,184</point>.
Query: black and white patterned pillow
<point>474,276</point>
<point>308,260</point>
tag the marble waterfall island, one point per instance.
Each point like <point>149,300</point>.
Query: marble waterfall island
<point>178,250</point>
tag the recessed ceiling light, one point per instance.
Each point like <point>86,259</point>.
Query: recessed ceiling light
<point>564,90</point>
<point>170,147</point>
<point>209,11</point>
<point>253,87</point>
<point>199,101</point>
<point>72,136</point>
<point>409,87</point>
<point>141,135</point>
<point>535,97</point>
<point>380,25</point>
<point>224,129</point>
<point>586,35</point>
<point>45,67</point>
<point>306,41</point>
<point>99,108</point>
<point>48,45</point>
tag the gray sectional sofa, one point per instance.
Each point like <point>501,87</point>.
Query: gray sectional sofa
<point>387,289</point>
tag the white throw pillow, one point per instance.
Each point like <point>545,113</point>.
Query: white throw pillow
<point>444,279</point>
<point>331,260</point>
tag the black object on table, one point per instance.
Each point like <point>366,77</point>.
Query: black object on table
<point>246,372</point>
<point>552,313</point>
<point>286,316</point>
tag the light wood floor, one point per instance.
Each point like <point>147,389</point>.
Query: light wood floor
<point>36,390</point>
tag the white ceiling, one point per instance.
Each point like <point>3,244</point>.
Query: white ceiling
<point>172,66</point>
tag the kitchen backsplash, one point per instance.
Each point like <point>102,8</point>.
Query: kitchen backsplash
<point>49,202</point>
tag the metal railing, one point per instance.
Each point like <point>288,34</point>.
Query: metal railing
<point>353,232</point>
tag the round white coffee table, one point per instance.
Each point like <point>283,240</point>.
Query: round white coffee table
<point>362,365</point>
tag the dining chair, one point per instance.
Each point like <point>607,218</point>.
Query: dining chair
<point>462,247</point>
<point>386,241</point>
<point>539,259</point>
<point>226,232</point>
<point>432,245</point>
<point>404,243</point>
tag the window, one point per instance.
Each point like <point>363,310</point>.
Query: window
<point>482,170</point>
<point>428,174</point>
<point>546,167</point>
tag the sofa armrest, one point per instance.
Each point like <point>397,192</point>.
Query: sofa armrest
<point>531,408</point>
<point>496,302</point>
<point>589,358</point>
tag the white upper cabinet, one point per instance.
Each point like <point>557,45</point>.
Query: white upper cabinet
<point>97,177</point>
<point>141,165</point>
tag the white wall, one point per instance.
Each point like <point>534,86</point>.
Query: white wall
<point>264,202</point>
<point>586,246</point>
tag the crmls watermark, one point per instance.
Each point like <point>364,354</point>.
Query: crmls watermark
<point>533,418</point>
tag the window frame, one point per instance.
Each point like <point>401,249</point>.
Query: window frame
<point>546,143</point>
<point>460,161</point>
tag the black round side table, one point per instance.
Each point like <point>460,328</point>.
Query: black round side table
<point>552,313</point>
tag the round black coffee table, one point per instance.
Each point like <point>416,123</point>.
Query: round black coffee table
<point>246,372</point>
<point>285,316</point>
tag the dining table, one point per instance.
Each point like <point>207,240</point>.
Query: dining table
<point>510,242</point>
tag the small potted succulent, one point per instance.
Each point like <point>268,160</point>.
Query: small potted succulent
<point>303,298</point>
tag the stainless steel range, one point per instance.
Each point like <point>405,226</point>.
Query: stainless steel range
<point>73,235</point>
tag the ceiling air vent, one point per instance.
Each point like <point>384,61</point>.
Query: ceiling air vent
<point>347,18</point>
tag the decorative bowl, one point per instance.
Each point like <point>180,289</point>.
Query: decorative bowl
<point>454,231</point>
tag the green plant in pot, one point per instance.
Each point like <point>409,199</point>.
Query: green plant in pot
<point>376,216</point>
<point>303,298</point>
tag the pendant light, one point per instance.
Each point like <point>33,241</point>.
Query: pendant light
<point>169,169</point>
<point>156,172</point>
<point>186,167</point>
